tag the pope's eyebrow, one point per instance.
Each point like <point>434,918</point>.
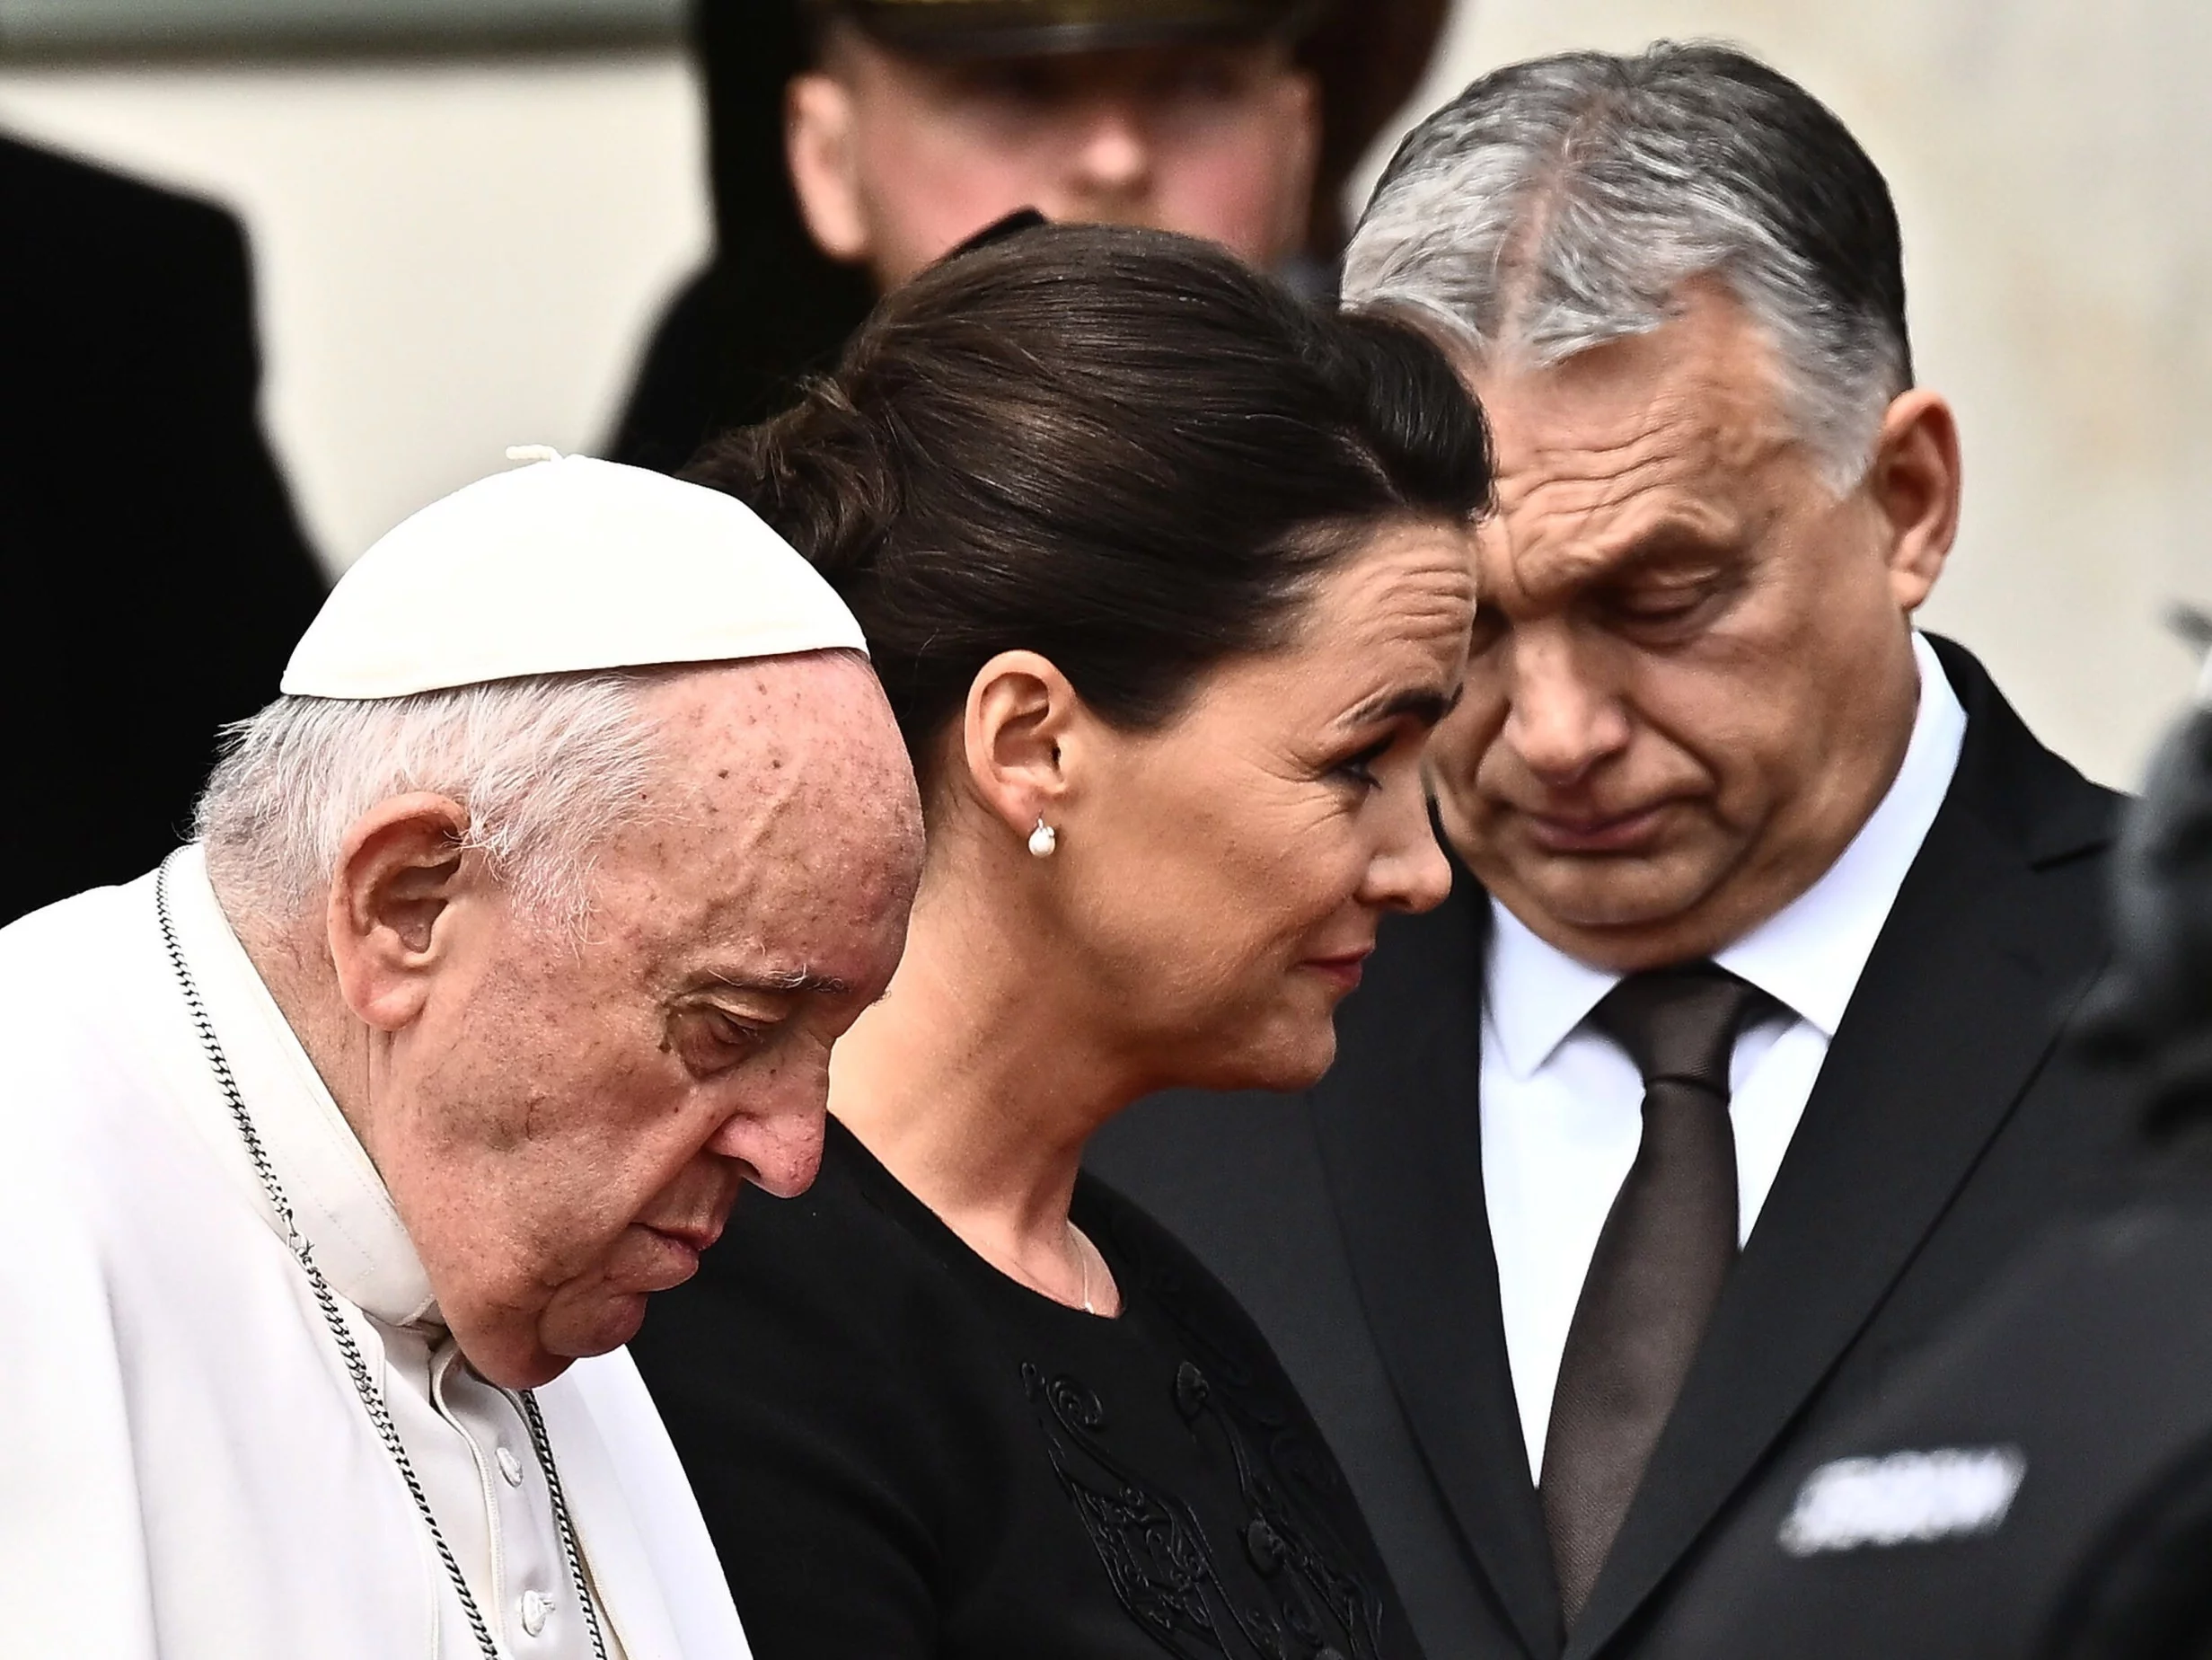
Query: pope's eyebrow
<point>1426,704</point>
<point>779,981</point>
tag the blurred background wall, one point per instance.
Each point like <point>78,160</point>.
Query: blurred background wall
<point>461,248</point>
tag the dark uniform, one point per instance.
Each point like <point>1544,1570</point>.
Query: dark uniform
<point>773,307</point>
<point>155,577</point>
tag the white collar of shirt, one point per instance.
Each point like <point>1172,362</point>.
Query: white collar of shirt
<point>339,1200</point>
<point>1807,956</point>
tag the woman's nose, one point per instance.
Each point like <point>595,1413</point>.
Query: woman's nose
<point>1409,872</point>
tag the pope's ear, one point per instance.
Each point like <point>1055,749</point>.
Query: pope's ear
<point>390,915</point>
<point>1016,738</point>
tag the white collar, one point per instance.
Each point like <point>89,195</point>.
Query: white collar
<point>339,1199</point>
<point>1808,956</point>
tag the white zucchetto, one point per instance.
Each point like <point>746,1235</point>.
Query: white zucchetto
<point>566,565</point>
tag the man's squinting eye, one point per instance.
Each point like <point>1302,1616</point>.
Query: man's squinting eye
<point>1664,607</point>
<point>709,1039</point>
<point>1658,604</point>
<point>1019,81</point>
<point>1202,79</point>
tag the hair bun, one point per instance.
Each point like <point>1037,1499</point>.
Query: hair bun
<point>816,474</point>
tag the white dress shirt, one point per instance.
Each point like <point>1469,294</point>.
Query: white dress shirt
<point>185,1468</point>
<point>1563,1106</point>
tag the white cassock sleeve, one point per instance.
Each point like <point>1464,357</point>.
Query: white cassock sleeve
<point>73,1557</point>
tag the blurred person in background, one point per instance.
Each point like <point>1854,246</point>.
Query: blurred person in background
<point>147,545</point>
<point>854,141</point>
<point>2038,1485</point>
<point>1729,1069</point>
<point>1167,576</point>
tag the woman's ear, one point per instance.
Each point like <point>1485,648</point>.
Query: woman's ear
<point>1019,737</point>
<point>390,919</point>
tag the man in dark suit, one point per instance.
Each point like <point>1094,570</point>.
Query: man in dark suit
<point>1731,1068</point>
<point>2040,1483</point>
<point>154,577</point>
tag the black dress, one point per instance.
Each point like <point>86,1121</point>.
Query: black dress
<point>901,1452</point>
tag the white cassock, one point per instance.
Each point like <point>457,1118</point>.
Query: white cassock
<point>186,1469</point>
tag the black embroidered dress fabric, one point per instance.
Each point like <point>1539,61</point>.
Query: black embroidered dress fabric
<point>901,1453</point>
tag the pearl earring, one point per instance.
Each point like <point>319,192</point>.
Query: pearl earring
<point>1044,839</point>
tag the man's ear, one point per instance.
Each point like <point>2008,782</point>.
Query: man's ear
<point>1017,737</point>
<point>821,149</point>
<point>390,917</point>
<point>1913,483</point>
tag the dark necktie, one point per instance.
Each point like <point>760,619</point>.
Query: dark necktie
<point>1668,1243</point>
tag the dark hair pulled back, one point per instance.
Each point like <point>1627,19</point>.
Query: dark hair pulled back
<point>1119,448</point>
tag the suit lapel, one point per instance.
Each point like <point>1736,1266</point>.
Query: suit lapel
<point>1399,1126</point>
<point>1959,1006</point>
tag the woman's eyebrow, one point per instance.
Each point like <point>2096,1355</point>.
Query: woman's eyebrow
<point>1426,704</point>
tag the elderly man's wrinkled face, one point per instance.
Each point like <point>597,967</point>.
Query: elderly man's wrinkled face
<point>898,158</point>
<point>564,1129</point>
<point>1693,677</point>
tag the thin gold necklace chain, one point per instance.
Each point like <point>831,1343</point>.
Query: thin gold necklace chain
<point>356,1366</point>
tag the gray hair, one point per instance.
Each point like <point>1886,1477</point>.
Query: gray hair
<point>546,767</point>
<point>1563,202</point>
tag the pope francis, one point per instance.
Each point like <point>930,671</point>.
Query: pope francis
<point>344,1148</point>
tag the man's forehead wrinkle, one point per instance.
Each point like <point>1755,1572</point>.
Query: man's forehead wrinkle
<point>1580,498</point>
<point>1611,445</point>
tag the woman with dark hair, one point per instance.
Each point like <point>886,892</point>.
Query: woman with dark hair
<point>1167,577</point>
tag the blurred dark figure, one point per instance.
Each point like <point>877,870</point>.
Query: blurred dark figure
<point>1245,118</point>
<point>2039,1485</point>
<point>156,575</point>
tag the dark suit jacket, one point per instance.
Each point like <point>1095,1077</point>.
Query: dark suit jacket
<point>1945,1125</point>
<point>152,576</point>
<point>2091,1363</point>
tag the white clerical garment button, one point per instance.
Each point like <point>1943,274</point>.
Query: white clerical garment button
<point>510,1467</point>
<point>536,1605</point>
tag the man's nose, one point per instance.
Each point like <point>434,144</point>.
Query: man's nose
<point>777,1133</point>
<point>1113,155</point>
<point>1561,718</point>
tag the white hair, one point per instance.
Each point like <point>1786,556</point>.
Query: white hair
<point>1559,203</point>
<point>545,766</point>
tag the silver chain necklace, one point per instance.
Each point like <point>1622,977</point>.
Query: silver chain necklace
<point>371,1398</point>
